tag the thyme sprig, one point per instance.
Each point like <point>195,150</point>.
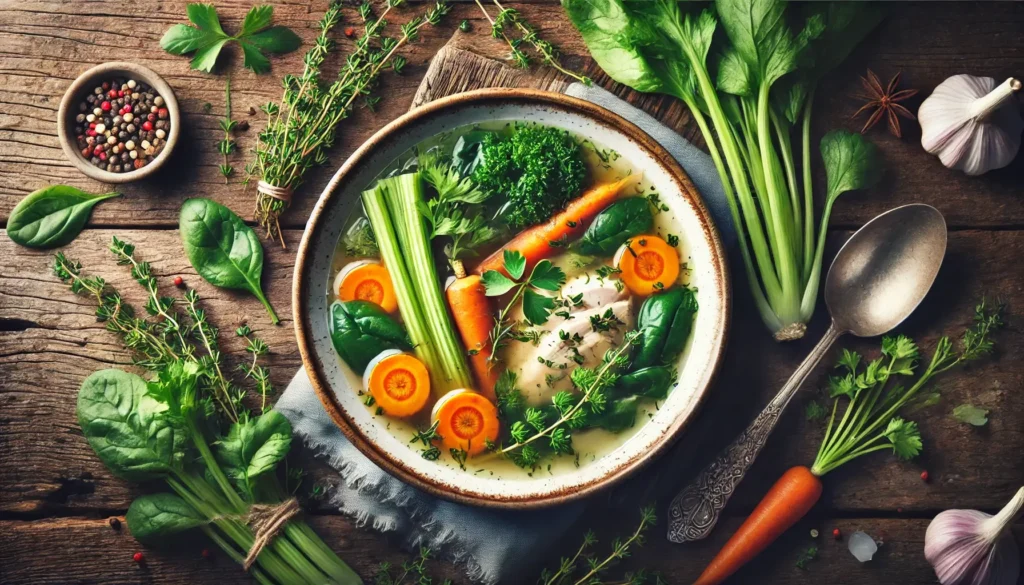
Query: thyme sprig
<point>597,567</point>
<point>172,335</point>
<point>511,18</point>
<point>304,124</point>
<point>227,145</point>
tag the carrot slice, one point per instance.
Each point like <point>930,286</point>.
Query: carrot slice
<point>788,501</point>
<point>466,420</point>
<point>648,264</point>
<point>366,280</point>
<point>474,318</point>
<point>398,382</point>
<point>536,243</point>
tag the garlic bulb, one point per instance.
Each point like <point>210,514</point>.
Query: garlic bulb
<point>967,547</point>
<point>971,124</point>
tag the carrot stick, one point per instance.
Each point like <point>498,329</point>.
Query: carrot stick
<point>789,499</point>
<point>474,318</point>
<point>535,243</point>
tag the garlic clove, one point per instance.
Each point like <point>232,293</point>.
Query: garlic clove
<point>967,547</point>
<point>971,123</point>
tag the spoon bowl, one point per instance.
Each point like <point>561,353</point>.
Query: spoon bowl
<point>885,269</point>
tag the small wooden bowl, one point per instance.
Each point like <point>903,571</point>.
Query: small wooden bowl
<point>77,92</point>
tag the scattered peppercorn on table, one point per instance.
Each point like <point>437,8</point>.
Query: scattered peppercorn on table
<point>59,506</point>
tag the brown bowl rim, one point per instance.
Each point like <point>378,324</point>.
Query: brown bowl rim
<point>392,464</point>
<point>76,88</point>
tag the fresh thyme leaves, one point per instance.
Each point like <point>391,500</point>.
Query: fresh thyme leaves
<point>874,394</point>
<point>427,437</point>
<point>606,321</point>
<point>411,573</point>
<point>227,145</point>
<point>509,18</point>
<point>571,411</point>
<point>584,568</point>
<point>537,307</point>
<point>207,37</point>
<point>460,456</point>
<point>303,126</point>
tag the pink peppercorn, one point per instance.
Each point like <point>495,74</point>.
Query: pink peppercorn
<point>924,476</point>
<point>105,106</point>
<point>178,281</point>
<point>138,557</point>
<point>147,125</point>
<point>836,534</point>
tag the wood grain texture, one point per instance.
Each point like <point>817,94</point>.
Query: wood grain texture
<point>54,490</point>
<point>44,45</point>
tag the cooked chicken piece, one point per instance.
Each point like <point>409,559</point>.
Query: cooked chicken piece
<point>593,293</point>
<point>580,340</point>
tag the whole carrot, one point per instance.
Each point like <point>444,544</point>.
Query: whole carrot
<point>547,239</point>
<point>474,318</point>
<point>789,499</point>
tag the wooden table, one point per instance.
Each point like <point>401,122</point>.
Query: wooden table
<point>56,497</point>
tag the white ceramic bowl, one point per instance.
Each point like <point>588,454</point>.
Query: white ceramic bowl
<point>337,386</point>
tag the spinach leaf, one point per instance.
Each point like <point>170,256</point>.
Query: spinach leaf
<point>759,34</point>
<point>129,429</point>
<point>154,516</point>
<point>360,330</point>
<point>612,39</point>
<point>617,223</point>
<point>665,322</point>
<point>617,417</point>
<point>651,382</point>
<point>52,216</point>
<point>253,447</point>
<point>468,152</point>
<point>222,249</point>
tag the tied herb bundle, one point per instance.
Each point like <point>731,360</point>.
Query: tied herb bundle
<point>304,125</point>
<point>188,426</point>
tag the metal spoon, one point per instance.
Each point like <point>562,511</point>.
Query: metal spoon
<point>878,278</point>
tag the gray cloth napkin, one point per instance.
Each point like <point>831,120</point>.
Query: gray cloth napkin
<point>493,545</point>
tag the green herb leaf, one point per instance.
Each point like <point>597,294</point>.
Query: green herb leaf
<point>851,162</point>
<point>905,438</point>
<point>537,307</point>
<point>814,411</point>
<point>617,223</point>
<point>257,19</point>
<point>361,330</point>
<point>152,517</point>
<point>515,263</point>
<point>547,276</point>
<point>222,249</point>
<point>207,38</point>
<point>129,430</point>
<point>52,216</point>
<point>970,414</point>
<point>496,283</point>
<point>253,447</point>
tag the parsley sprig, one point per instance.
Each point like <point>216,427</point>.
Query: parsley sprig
<point>875,395</point>
<point>455,213</point>
<point>537,307</point>
<point>206,37</point>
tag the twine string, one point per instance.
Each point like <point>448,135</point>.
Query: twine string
<point>266,520</point>
<point>282,193</point>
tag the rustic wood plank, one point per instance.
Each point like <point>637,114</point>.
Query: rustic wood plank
<point>52,341</point>
<point>927,41</point>
<point>92,553</point>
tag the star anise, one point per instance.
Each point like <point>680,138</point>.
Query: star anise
<point>885,101</point>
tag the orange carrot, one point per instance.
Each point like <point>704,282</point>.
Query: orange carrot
<point>536,243</point>
<point>398,382</point>
<point>789,499</point>
<point>474,318</point>
<point>648,264</point>
<point>466,420</point>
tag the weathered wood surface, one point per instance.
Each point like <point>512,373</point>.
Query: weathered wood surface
<point>44,45</point>
<point>53,490</point>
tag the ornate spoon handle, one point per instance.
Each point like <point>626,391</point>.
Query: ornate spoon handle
<point>694,511</point>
